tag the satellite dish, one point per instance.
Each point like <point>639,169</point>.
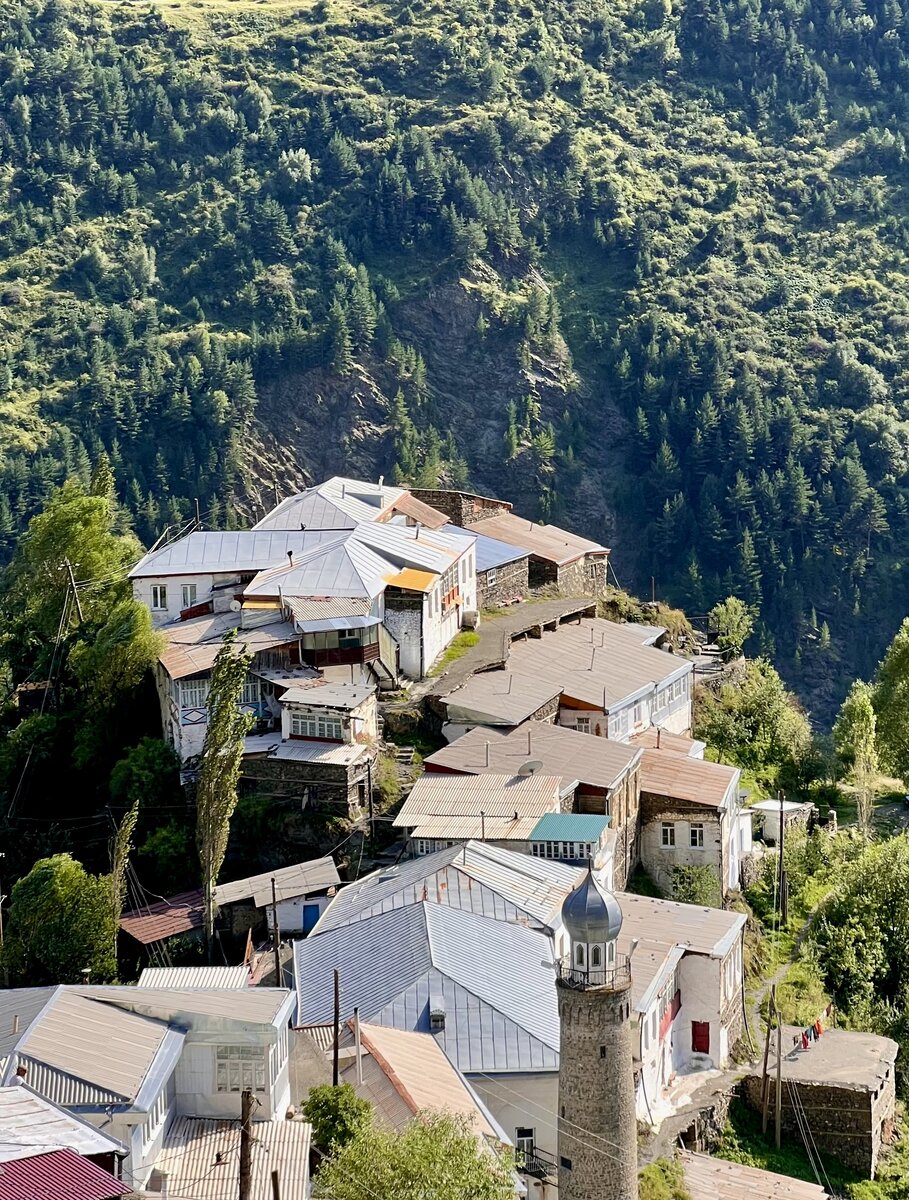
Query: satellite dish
<point>235,606</point>
<point>531,767</point>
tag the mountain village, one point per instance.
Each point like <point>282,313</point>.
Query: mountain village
<point>481,945</point>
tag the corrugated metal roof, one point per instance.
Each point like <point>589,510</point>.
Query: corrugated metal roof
<point>407,546</point>
<point>461,796</point>
<point>486,880</point>
<point>462,829</point>
<point>703,930</point>
<point>418,510</point>
<point>61,1174</point>
<point>490,552</point>
<point>569,827</point>
<point>320,608</point>
<point>300,879</point>
<point>194,977</point>
<point>501,697</point>
<point>165,918</point>
<point>665,773</point>
<point>251,1006</point>
<point>18,1008</point>
<point>31,1124</point>
<point>715,1179</point>
<point>411,580</point>
<point>491,978</point>
<point>341,503</point>
<point>202,1158</point>
<point>574,757</point>
<point>328,753</point>
<point>341,567</point>
<point>225,552</point>
<point>660,739</point>
<point>543,541</point>
<point>192,650</point>
<point>330,695</point>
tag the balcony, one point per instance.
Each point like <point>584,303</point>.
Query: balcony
<point>537,1164</point>
<point>615,977</point>
<point>341,656</point>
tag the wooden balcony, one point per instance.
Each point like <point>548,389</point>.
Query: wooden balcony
<point>341,656</point>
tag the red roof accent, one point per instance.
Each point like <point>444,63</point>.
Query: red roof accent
<point>52,1176</point>
<point>165,918</point>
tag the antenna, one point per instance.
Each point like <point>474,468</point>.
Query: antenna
<point>530,767</point>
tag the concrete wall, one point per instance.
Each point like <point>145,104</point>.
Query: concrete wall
<point>523,1101</point>
<point>511,582</point>
<point>221,598</point>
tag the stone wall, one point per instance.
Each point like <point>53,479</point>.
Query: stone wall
<point>462,508</point>
<point>512,582</point>
<point>847,1123</point>
<point>584,577</point>
<point>658,860</point>
<point>319,785</point>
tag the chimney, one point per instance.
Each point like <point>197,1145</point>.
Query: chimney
<point>290,557</point>
<point>381,481</point>
<point>487,756</point>
<point>658,736</point>
<point>416,535</point>
<point>593,654</point>
<point>529,740</point>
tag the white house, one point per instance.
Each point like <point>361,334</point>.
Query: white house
<point>132,1061</point>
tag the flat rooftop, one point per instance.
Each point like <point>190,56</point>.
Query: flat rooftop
<point>845,1058</point>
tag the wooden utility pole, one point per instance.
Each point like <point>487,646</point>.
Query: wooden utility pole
<point>372,817</point>
<point>765,1076</point>
<point>72,584</point>
<point>275,1186</point>
<point>335,1062</point>
<point>779,1080</point>
<point>246,1102</point>
<point>276,935</point>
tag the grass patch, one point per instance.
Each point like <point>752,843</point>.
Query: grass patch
<point>461,644</point>
<point>663,1180</point>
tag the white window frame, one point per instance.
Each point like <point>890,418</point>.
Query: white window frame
<point>525,1141</point>
<point>194,693</point>
<point>492,577</point>
<point>239,1067</point>
<point>696,836</point>
<point>667,835</point>
<point>582,724</point>
<point>189,595</point>
<point>159,597</point>
<point>252,691</point>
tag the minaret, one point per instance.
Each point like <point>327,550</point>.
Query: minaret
<point>598,1152</point>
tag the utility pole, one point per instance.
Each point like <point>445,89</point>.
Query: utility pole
<point>372,820</point>
<point>765,1075</point>
<point>779,1080</point>
<point>246,1101</point>
<point>2,898</point>
<point>198,514</point>
<point>276,934</point>
<point>783,881</point>
<point>72,584</point>
<point>482,826</point>
<point>335,1061</point>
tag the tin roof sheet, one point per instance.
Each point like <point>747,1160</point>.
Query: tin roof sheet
<point>574,757</point>
<point>31,1124</point>
<point>419,510</point>
<point>694,780</point>
<point>299,879</point>
<point>702,930</point>
<point>459,796</point>
<point>462,829</point>
<point>486,880</point>
<point>164,918</point>
<point>336,503</point>
<point>191,650</point>
<point>660,739</point>
<point>60,1173</point>
<point>715,1179</point>
<point>328,753</point>
<point>492,979</point>
<point>411,580</point>
<point>250,1006</point>
<point>344,696</point>
<point>501,697</point>
<point>340,567</point>
<point>548,542</point>
<point>225,552</point>
<point>202,1158</point>
<point>194,977</point>
<point>321,608</point>
<point>569,827</point>
<point>490,552</point>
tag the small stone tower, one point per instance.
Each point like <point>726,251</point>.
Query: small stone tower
<point>598,1153</point>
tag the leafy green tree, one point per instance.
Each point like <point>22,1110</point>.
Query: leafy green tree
<point>219,772</point>
<point>750,717</point>
<point>891,704</point>
<point>855,738</point>
<point>733,621</point>
<point>337,1115</point>
<point>696,885</point>
<point>150,772</point>
<point>439,1151</point>
<point>61,921</point>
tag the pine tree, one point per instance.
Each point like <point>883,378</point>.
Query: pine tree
<point>340,354</point>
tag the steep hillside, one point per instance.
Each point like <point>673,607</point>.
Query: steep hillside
<point>639,266</point>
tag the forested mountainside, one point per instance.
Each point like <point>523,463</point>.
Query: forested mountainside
<point>638,266</point>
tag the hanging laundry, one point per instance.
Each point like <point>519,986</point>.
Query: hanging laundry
<point>804,1041</point>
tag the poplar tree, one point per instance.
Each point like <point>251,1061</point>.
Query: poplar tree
<point>891,704</point>
<point>222,752</point>
<point>854,735</point>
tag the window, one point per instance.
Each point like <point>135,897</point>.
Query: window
<point>524,1141</point>
<point>492,576</point>
<point>155,1119</point>
<point>189,595</point>
<point>193,693</point>
<point>596,957</point>
<point>667,835</point>
<point>239,1067</point>
<point>580,955</point>
<point>637,715</point>
<point>308,725</point>
<point>696,837</point>
<point>303,726</point>
<point>251,692</point>
<point>159,596</point>
<point>582,725</point>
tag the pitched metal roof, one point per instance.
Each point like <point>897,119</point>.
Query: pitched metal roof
<point>486,880</point>
<point>344,696</point>
<point>654,738</point>
<point>418,510</point>
<point>251,1006</point>
<point>327,753</point>
<point>460,796</point>
<point>490,551</point>
<point>341,503</point>
<point>321,608</point>
<point>569,827</point>
<point>190,651</point>
<point>300,879</point>
<point>62,1173</point>
<point>194,977</point>
<point>202,1159</point>
<point>695,780</point>
<point>702,930</point>
<point>31,1124</point>
<point>574,757</point>
<point>709,1178</point>
<point>225,552</point>
<point>459,829</point>
<point>342,566</point>
<point>548,542</point>
<point>490,978</point>
<point>501,697</point>
<point>165,918</point>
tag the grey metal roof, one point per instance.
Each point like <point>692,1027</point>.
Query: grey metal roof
<point>336,503</point>
<point>300,879</point>
<point>30,1124</point>
<point>483,879</point>
<point>501,697</point>
<point>490,978</point>
<point>345,696</point>
<point>490,551</point>
<point>194,977</point>
<point>225,552</point>
<point>327,753</point>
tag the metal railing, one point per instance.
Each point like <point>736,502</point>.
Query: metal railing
<point>615,976</point>
<point>536,1163</point>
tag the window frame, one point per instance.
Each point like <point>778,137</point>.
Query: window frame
<point>696,835</point>
<point>189,593</point>
<point>667,835</point>
<point>159,597</point>
<point>251,1070</point>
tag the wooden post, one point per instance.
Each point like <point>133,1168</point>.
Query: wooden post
<point>783,882</point>
<point>72,584</point>
<point>765,1077</point>
<point>275,1186</point>
<point>335,1063</point>
<point>246,1101</point>
<point>779,1079</point>
<point>276,934</point>
<point>372,818</point>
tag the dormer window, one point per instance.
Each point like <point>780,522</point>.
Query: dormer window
<point>437,1019</point>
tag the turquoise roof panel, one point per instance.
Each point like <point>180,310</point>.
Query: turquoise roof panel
<point>570,827</point>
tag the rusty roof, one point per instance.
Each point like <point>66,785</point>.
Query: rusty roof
<point>665,773</point>
<point>418,510</point>
<point>709,1178</point>
<point>653,738</point>
<point>542,541</point>
<point>165,918</point>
